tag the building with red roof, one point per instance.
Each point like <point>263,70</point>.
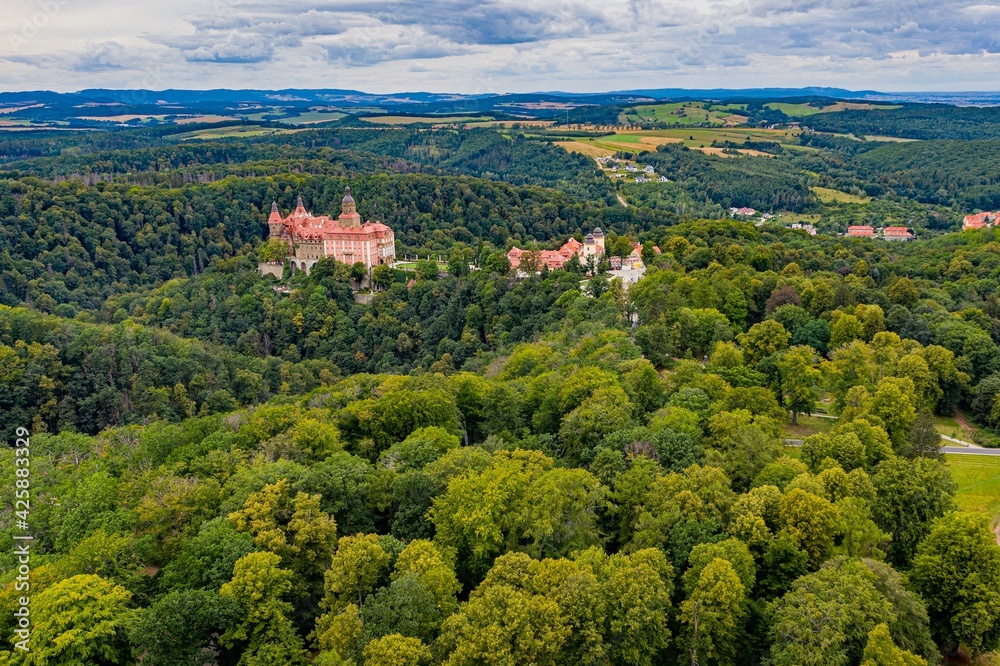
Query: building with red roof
<point>592,246</point>
<point>861,231</point>
<point>980,220</point>
<point>344,238</point>
<point>897,234</point>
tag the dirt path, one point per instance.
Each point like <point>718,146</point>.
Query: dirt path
<point>622,201</point>
<point>996,530</point>
<point>963,423</point>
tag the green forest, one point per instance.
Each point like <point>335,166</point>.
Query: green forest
<point>734,461</point>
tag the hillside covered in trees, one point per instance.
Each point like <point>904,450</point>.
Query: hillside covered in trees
<point>468,464</point>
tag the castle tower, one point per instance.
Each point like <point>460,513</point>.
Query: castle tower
<point>598,239</point>
<point>275,224</point>
<point>349,216</point>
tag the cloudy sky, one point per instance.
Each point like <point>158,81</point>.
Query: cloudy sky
<point>500,45</point>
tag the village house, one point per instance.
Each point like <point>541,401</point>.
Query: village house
<point>861,231</point>
<point>808,228</point>
<point>897,234</point>
<point>346,238</point>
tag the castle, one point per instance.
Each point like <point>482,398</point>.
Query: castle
<point>346,238</point>
<point>592,246</point>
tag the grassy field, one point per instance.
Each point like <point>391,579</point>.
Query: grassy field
<point>804,110</point>
<point>793,452</point>
<point>187,120</point>
<point>312,117</point>
<point>685,113</point>
<point>410,120</point>
<point>808,425</point>
<point>978,479</point>
<point>889,139</point>
<point>511,123</point>
<point>947,425</point>
<point>412,265</point>
<point>827,195</point>
<point>124,118</point>
<point>233,130</point>
<point>700,138</point>
<point>585,148</point>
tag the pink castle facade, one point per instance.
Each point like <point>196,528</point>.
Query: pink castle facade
<point>345,238</point>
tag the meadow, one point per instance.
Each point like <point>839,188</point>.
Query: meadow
<point>978,479</point>
<point>411,120</point>
<point>804,110</point>
<point>231,131</point>
<point>828,195</point>
<point>685,113</point>
<point>700,138</point>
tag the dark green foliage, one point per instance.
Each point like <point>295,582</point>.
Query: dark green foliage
<point>181,628</point>
<point>569,454</point>
<point>756,182</point>
<point>206,560</point>
<point>914,121</point>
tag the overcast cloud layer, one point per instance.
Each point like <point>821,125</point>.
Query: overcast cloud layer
<point>500,45</point>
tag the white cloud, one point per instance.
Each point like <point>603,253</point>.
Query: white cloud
<point>501,45</point>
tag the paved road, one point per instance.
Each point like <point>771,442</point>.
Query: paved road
<point>962,450</point>
<point>970,451</point>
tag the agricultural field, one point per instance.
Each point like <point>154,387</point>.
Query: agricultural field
<point>230,131</point>
<point>697,138</point>
<point>888,139</point>
<point>124,118</point>
<point>587,148</point>
<point>437,120</point>
<point>190,120</point>
<point>805,110</point>
<point>313,117</point>
<point>685,113</point>
<point>178,120</point>
<point>511,123</point>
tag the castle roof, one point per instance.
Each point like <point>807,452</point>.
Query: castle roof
<point>304,226</point>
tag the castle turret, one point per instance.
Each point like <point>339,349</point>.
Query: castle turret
<point>349,216</point>
<point>275,223</point>
<point>300,209</point>
<point>598,237</point>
